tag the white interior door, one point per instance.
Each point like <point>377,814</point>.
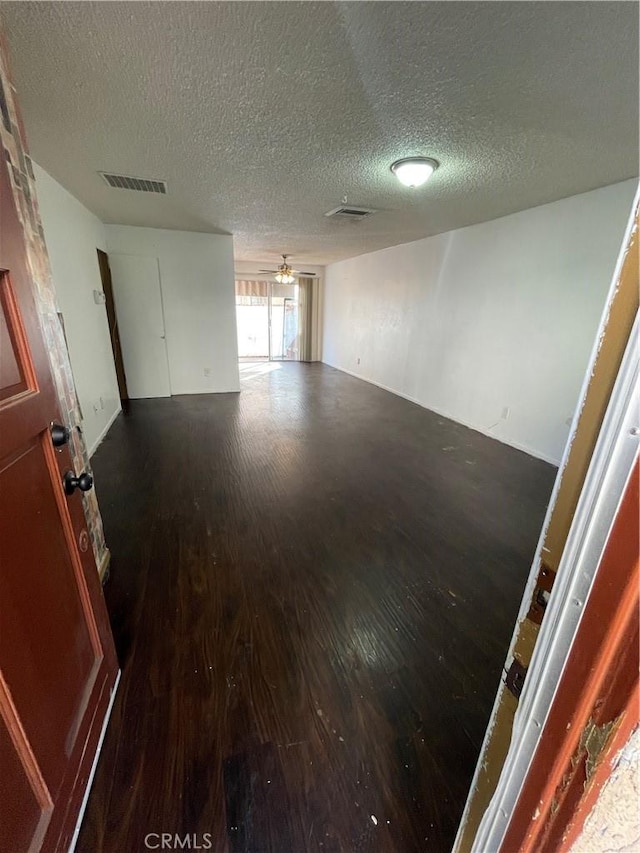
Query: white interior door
<point>138,303</point>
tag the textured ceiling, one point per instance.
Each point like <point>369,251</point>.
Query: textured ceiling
<point>262,116</point>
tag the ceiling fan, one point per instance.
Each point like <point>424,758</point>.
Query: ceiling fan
<point>285,274</point>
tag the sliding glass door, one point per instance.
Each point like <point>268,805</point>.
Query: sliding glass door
<point>252,320</point>
<point>267,320</point>
<point>285,344</point>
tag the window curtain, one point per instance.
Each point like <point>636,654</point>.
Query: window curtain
<point>252,288</point>
<point>306,288</point>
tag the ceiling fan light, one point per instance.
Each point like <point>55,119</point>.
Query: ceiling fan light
<point>414,171</point>
<point>284,273</point>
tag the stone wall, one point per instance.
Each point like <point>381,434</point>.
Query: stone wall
<point>14,156</point>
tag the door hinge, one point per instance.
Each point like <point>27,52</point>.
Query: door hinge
<point>540,598</point>
<point>516,675</point>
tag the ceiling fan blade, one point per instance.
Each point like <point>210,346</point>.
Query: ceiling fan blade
<point>307,273</point>
<point>268,271</point>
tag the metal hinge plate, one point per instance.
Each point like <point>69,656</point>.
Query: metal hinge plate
<point>516,675</point>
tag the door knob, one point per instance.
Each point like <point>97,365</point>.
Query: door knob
<point>59,434</point>
<point>84,482</point>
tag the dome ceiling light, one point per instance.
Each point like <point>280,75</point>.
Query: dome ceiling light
<point>414,171</point>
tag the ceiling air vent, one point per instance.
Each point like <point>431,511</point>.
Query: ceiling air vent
<point>350,212</point>
<point>141,185</point>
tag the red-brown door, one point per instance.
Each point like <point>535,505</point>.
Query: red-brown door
<point>57,661</point>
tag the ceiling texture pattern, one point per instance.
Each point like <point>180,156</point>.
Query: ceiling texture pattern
<point>263,116</point>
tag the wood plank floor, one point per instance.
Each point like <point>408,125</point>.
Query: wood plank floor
<point>312,590</point>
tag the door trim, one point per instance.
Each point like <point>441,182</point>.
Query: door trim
<point>94,766</point>
<point>112,321</point>
<point>611,465</point>
<point>164,327</point>
<point>614,330</point>
<point>269,321</point>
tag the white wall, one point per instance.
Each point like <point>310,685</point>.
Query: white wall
<point>197,282</point>
<point>500,315</point>
<point>73,235</point>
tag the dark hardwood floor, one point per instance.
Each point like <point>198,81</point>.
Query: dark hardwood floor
<point>312,590</point>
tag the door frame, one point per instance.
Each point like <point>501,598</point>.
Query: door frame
<point>611,465</point>
<point>602,672</point>
<point>112,319</point>
<point>269,322</point>
<point>596,398</point>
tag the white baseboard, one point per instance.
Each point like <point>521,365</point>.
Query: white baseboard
<point>206,392</point>
<point>85,799</point>
<point>106,429</point>
<point>516,444</point>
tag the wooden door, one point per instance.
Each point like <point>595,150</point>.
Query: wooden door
<point>114,334</point>
<point>138,301</point>
<point>58,666</point>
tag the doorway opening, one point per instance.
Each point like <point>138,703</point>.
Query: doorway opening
<point>114,334</point>
<point>267,320</point>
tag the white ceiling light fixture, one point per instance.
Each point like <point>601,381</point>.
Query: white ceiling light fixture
<point>414,171</point>
<point>285,273</point>
<point>285,278</point>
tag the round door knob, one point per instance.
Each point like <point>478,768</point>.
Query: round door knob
<point>84,482</point>
<point>59,434</point>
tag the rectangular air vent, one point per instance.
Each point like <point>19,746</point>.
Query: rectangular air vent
<point>350,212</point>
<point>140,185</point>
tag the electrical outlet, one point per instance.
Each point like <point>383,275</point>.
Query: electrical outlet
<point>505,413</point>
<point>207,371</point>
<point>358,361</point>
<point>95,408</point>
